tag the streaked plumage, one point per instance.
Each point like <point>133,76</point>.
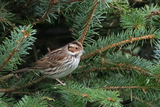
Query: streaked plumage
<point>60,62</point>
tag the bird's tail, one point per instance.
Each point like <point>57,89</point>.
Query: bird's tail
<point>23,70</point>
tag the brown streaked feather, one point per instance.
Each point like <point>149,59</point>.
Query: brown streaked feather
<point>52,59</point>
<point>40,64</point>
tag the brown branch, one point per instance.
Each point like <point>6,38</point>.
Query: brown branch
<point>16,49</point>
<point>28,93</point>
<point>128,66</point>
<point>24,86</point>
<point>130,40</point>
<point>123,66</point>
<point>88,22</point>
<point>131,87</point>
<point>86,95</point>
<point>142,71</point>
<point>126,87</point>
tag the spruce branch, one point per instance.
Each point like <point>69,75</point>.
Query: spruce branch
<point>5,103</point>
<point>120,9</point>
<point>24,86</point>
<point>12,74</point>
<point>153,13</point>
<point>108,74</point>
<point>16,49</point>
<point>6,20</point>
<point>51,3</point>
<point>148,103</point>
<point>16,46</point>
<point>32,101</point>
<point>130,40</point>
<point>141,70</point>
<point>88,22</point>
<point>121,66</point>
<point>5,16</point>
<point>87,96</point>
<point>126,87</point>
<point>77,93</point>
<point>129,66</point>
<point>102,97</point>
<point>156,56</point>
<point>136,98</point>
<point>95,69</point>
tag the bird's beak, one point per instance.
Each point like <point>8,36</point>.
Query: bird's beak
<point>83,51</point>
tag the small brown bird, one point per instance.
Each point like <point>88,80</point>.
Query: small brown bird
<point>60,62</point>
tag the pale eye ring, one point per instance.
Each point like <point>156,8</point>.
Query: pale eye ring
<point>76,48</point>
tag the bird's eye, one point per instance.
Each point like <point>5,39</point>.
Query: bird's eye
<point>76,48</point>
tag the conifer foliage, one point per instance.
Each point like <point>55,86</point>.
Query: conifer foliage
<point>116,70</point>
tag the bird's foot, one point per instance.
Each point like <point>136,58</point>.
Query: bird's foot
<point>60,82</point>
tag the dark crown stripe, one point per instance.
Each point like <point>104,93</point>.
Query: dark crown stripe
<point>77,43</point>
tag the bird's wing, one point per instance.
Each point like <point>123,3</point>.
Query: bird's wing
<point>52,59</point>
